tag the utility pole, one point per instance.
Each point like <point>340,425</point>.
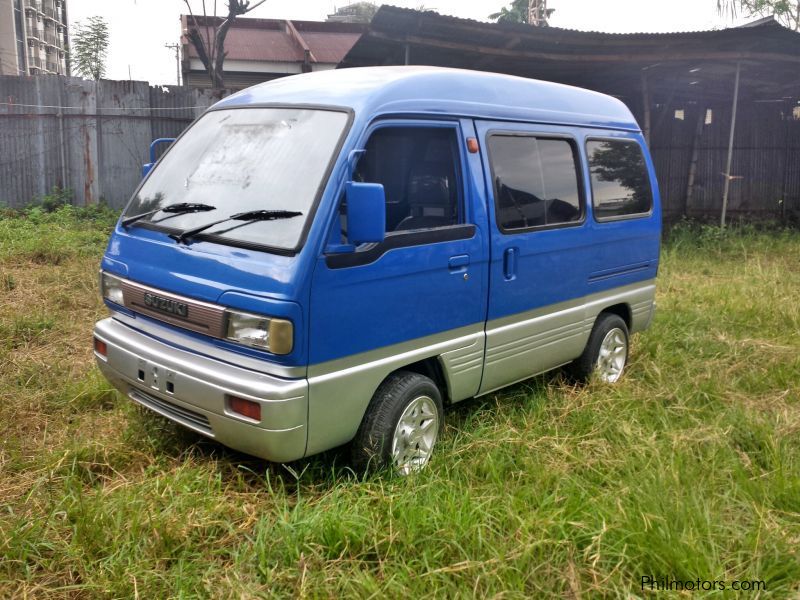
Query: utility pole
<point>177,49</point>
<point>538,13</point>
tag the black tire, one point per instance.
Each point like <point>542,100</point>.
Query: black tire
<point>583,367</point>
<point>371,449</point>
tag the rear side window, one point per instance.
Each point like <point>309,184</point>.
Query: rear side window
<point>535,181</point>
<point>620,182</point>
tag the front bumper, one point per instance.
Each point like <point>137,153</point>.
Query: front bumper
<point>193,391</point>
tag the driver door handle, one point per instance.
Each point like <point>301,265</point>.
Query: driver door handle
<point>459,263</point>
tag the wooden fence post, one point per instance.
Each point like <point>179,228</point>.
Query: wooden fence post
<point>727,189</point>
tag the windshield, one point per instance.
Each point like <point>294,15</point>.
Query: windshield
<point>241,160</point>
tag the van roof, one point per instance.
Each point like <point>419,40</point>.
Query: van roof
<point>416,90</point>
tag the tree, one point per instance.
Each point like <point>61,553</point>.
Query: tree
<point>90,48</point>
<point>209,38</point>
<point>516,12</point>
<point>787,12</point>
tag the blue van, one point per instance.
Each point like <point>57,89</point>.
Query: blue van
<point>330,258</point>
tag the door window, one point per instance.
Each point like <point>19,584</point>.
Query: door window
<point>536,182</point>
<point>418,168</point>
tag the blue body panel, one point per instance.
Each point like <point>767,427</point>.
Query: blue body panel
<point>560,264</point>
<point>243,279</point>
<point>416,291</point>
<point>408,292</point>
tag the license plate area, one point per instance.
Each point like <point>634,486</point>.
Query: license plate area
<point>156,377</point>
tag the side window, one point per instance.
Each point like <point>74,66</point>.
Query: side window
<point>620,182</point>
<point>536,181</point>
<point>418,167</point>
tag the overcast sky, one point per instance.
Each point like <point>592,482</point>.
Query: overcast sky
<point>141,28</point>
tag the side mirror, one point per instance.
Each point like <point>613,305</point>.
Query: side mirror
<point>366,213</point>
<point>147,167</point>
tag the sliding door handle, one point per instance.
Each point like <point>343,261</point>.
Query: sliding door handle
<point>510,263</point>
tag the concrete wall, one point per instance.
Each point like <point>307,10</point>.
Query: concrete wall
<point>97,141</point>
<point>90,137</point>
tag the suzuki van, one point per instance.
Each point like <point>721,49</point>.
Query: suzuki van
<point>333,257</point>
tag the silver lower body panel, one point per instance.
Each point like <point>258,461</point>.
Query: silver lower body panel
<point>527,344</point>
<point>303,416</point>
<point>193,390</point>
<point>340,390</point>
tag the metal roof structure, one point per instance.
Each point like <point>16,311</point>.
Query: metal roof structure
<point>685,88</point>
<point>676,65</point>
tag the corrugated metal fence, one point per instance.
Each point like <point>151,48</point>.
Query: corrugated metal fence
<point>97,141</point>
<point>765,172</point>
<point>90,137</point>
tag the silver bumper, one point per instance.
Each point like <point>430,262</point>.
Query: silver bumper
<point>192,390</point>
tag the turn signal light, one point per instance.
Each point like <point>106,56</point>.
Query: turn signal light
<point>100,347</point>
<point>246,408</point>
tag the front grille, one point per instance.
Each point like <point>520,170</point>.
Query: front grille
<point>201,317</point>
<point>184,416</point>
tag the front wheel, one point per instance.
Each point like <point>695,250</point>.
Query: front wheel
<point>606,352</point>
<point>401,425</point>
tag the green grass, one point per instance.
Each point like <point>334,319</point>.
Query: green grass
<point>688,468</point>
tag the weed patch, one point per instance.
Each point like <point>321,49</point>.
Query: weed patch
<point>688,467</point>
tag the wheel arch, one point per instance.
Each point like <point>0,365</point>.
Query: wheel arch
<point>622,310</point>
<point>433,369</point>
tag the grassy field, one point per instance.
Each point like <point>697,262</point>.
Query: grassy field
<point>688,468</point>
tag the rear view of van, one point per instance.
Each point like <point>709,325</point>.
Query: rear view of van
<point>333,258</point>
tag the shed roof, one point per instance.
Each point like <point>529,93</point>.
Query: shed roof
<point>278,40</point>
<point>409,90</point>
<point>684,63</point>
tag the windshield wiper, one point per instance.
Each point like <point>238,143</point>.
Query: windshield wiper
<point>250,216</point>
<point>179,207</point>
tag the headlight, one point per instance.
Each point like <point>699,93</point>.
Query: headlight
<point>111,288</point>
<point>272,335</point>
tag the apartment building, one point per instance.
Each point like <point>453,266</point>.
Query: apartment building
<point>33,37</point>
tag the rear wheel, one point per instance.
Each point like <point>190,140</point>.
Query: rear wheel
<point>401,425</point>
<point>606,352</point>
